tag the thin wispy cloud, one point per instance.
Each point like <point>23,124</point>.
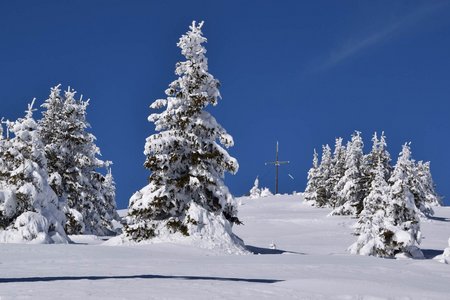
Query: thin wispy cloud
<point>356,46</point>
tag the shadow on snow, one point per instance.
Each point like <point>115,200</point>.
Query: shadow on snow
<point>258,250</point>
<point>431,253</point>
<point>180,277</point>
<point>440,219</point>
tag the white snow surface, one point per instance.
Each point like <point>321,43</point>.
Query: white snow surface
<point>310,261</point>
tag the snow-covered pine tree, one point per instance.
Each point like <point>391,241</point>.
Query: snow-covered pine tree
<point>312,185</point>
<point>103,196</point>
<point>427,183</point>
<point>186,193</point>
<point>404,235</point>
<point>72,164</point>
<point>255,191</point>
<point>378,155</point>
<point>337,170</point>
<point>373,227</point>
<point>325,170</point>
<point>349,188</point>
<point>29,210</point>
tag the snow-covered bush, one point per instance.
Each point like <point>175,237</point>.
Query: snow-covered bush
<point>265,192</point>
<point>186,194</point>
<point>86,195</point>
<point>445,257</point>
<point>256,192</point>
<point>29,208</point>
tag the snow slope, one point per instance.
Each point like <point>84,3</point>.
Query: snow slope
<point>310,262</point>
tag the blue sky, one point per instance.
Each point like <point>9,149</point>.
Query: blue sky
<point>300,72</point>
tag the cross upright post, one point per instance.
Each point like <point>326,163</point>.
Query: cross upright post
<point>277,163</point>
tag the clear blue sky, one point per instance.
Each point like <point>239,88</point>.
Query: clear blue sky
<point>301,72</point>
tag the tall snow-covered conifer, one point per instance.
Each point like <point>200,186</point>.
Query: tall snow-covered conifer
<point>73,163</point>
<point>373,227</point>
<point>378,155</point>
<point>337,170</point>
<point>427,183</point>
<point>313,182</point>
<point>186,193</point>
<point>29,210</point>
<point>325,170</point>
<point>349,187</point>
<point>402,212</point>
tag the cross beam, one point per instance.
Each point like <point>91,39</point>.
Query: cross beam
<point>277,163</point>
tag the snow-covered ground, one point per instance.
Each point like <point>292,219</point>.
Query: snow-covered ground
<point>310,262</point>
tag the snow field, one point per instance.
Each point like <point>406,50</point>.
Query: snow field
<point>310,262</point>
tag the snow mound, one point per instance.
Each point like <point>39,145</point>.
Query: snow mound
<point>445,257</point>
<point>209,231</point>
<point>32,228</point>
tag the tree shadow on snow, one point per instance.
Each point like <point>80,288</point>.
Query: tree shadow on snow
<point>72,278</point>
<point>431,253</point>
<point>258,250</point>
<point>440,219</point>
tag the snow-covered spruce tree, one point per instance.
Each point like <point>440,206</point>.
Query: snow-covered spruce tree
<point>337,170</point>
<point>255,191</point>
<point>349,188</point>
<point>424,173</point>
<point>422,186</point>
<point>73,163</point>
<point>325,171</point>
<point>378,155</point>
<point>373,227</point>
<point>186,194</point>
<point>312,185</point>
<point>29,211</point>
<point>401,213</point>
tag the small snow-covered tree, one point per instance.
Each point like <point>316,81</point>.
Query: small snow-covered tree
<point>186,193</point>
<point>73,163</point>
<point>29,210</point>
<point>255,191</point>
<point>404,235</point>
<point>312,185</point>
<point>349,188</point>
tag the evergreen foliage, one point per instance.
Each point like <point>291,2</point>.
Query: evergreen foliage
<point>186,160</point>
<point>310,194</point>
<point>73,163</point>
<point>373,230</point>
<point>325,170</point>
<point>350,187</point>
<point>337,171</point>
<point>343,181</point>
<point>29,208</point>
<point>402,211</point>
